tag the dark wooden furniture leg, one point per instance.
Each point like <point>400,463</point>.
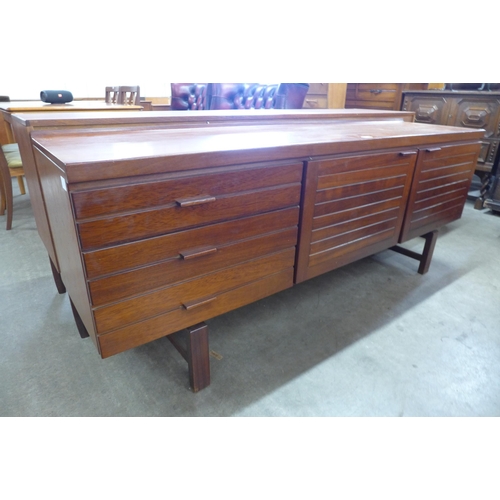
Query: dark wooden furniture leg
<point>197,355</point>
<point>57,278</point>
<point>425,257</point>
<point>79,323</point>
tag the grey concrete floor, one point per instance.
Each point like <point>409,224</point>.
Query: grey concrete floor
<point>373,338</point>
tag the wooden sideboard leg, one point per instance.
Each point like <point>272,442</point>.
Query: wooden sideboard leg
<point>430,243</point>
<point>79,323</point>
<point>197,355</point>
<point>426,256</point>
<point>57,278</point>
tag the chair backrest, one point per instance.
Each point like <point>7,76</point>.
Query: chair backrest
<point>244,96</point>
<point>257,95</point>
<point>188,96</point>
<point>129,95</point>
<point>112,95</point>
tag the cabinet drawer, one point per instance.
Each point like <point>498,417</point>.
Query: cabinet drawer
<point>168,189</point>
<point>376,95</point>
<point>191,294</point>
<point>369,87</point>
<point>143,253</point>
<point>129,227</point>
<point>439,189</point>
<point>315,102</point>
<point>154,328</point>
<point>202,260</point>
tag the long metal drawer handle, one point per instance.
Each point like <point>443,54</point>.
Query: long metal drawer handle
<point>191,305</point>
<point>375,91</point>
<point>197,200</point>
<point>433,150</point>
<point>192,253</point>
<point>407,153</point>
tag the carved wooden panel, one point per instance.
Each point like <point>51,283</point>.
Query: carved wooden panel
<point>474,112</point>
<point>428,109</point>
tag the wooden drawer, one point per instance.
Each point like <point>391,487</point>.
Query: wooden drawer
<point>156,327</point>
<point>315,102</point>
<point>278,187</point>
<point>187,265</point>
<point>440,186</point>
<point>353,207</point>
<point>108,199</point>
<point>141,254</point>
<point>191,294</point>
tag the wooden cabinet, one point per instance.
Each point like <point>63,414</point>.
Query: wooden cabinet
<point>358,205</point>
<point>325,95</point>
<point>164,253</point>
<point>441,181</point>
<point>378,95</point>
<point>317,96</point>
<point>479,110</point>
<point>355,207</point>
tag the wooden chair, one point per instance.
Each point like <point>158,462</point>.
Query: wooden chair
<point>10,166</point>
<point>112,94</point>
<point>129,95</point>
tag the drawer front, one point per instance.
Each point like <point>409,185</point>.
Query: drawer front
<point>373,87</point>
<point>353,207</point>
<point>142,254</point>
<point>191,294</point>
<point>154,328</point>
<point>170,189</point>
<point>440,186</point>
<point>373,92</point>
<point>174,217</point>
<point>315,102</point>
<point>188,264</point>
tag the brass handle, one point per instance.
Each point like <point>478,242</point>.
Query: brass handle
<point>197,252</point>
<point>196,200</point>
<point>191,305</point>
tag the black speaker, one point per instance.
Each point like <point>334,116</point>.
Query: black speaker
<point>56,96</point>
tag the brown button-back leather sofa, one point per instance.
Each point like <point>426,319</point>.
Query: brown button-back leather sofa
<point>198,96</point>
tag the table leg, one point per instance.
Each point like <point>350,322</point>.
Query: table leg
<point>57,278</point>
<point>426,256</point>
<point>196,353</point>
<point>79,323</point>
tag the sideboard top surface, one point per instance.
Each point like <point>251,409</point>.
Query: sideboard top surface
<point>86,155</point>
<point>239,115</point>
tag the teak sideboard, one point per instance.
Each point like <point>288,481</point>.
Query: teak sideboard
<point>158,230</point>
<point>23,124</point>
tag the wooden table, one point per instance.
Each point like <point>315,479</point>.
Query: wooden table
<point>25,123</point>
<point>157,230</point>
<point>9,108</point>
